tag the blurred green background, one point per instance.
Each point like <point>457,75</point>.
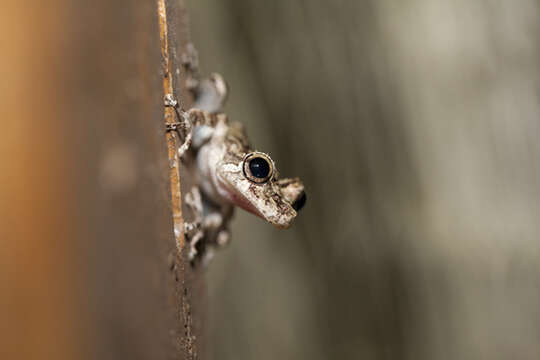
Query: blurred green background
<point>414,126</point>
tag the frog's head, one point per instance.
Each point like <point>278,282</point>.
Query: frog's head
<point>253,185</point>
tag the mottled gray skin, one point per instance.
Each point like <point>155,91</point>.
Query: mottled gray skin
<point>221,150</point>
<point>220,162</point>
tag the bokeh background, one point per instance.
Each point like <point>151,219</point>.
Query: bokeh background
<point>414,125</point>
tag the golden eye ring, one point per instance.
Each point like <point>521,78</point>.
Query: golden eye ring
<point>258,167</point>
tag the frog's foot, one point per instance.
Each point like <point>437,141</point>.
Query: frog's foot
<point>182,149</point>
<point>170,101</point>
<point>223,238</point>
<point>216,235</point>
<point>183,127</point>
<point>193,241</point>
<point>208,93</point>
<point>199,126</point>
<point>215,223</point>
<point>193,230</point>
<point>211,93</point>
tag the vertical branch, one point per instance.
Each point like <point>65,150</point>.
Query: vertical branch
<point>189,291</point>
<point>170,117</point>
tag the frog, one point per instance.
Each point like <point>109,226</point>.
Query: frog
<point>230,173</point>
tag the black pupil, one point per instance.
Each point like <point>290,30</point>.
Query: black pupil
<point>259,168</point>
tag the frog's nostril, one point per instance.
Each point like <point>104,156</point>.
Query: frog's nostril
<point>299,204</point>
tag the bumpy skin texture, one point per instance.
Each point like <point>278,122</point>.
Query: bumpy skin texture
<point>223,156</point>
<point>221,164</point>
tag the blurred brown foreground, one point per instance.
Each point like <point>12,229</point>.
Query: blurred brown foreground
<point>87,260</point>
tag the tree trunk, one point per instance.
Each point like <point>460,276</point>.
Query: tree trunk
<point>90,266</point>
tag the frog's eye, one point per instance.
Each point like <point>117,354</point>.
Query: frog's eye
<point>258,167</point>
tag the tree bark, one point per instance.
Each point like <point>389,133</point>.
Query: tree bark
<point>90,266</point>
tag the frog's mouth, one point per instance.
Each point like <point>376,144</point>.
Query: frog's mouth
<point>241,201</point>
<point>261,200</point>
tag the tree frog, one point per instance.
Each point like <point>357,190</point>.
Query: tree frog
<point>229,173</point>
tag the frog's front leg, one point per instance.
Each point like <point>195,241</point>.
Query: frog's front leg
<point>210,95</point>
<point>187,122</point>
<point>200,127</point>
